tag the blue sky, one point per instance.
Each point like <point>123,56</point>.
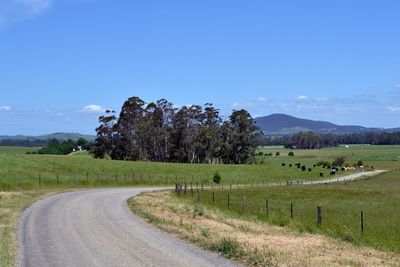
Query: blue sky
<point>62,62</point>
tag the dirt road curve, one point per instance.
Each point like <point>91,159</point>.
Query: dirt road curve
<point>347,178</point>
<point>95,228</point>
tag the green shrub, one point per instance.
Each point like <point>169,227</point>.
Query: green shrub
<point>217,178</point>
<point>291,154</point>
<point>229,248</point>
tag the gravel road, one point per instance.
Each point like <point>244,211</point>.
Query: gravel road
<point>96,228</point>
<point>347,178</point>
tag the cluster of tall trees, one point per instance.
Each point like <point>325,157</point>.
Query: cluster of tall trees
<point>160,132</point>
<point>311,140</point>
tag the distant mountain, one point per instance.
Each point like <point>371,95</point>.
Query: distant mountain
<point>58,136</point>
<point>282,124</point>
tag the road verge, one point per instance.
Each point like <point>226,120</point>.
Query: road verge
<point>250,242</point>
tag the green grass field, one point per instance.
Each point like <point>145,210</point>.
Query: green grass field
<point>17,150</point>
<point>19,171</point>
<point>377,197</point>
<point>377,156</point>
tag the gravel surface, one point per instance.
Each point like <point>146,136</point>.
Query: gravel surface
<point>96,228</point>
<point>347,178</point>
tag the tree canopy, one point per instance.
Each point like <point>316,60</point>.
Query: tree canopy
<point>159,132</point>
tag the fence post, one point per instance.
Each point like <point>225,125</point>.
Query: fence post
<point>87,179</point>
<point>267,207</point>
<point>362,223</point>
<point>40,180</point>
<point>319,215</point>
<point>229,201</point>
<point>185,188</point>
<point>244,202</point>
<point>291,210</point>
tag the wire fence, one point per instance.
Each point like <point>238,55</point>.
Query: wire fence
<point>372,223</point>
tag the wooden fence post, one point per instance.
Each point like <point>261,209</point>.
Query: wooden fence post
<point>244,202</point>
<point>267,207</point>
<point>213,197</point>
<point>362,223</point>
<point>291,210</point>
<point>319,215</point>
<point>229,201</point>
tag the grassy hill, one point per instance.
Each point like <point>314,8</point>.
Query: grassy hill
<point>18,170</point>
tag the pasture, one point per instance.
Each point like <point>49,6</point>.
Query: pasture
<point>296,207</point>
<point>19,171</point>
<point>30,177</point>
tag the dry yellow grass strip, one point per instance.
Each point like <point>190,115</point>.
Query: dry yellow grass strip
<point>12,204</point>
<point>252,243</point>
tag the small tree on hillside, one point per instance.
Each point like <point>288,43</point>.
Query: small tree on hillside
<point>339,161</point>
<point>217,178</point>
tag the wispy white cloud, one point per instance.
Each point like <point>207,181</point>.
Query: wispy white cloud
<point>301,98</point>
<point>94,109</point>
<point>5,108</point>
<point>329,108</point>
<point>393,109</point>
<point>15,11</point>
<point>262,99</point>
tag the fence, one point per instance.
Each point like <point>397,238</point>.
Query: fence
<point>86,180</point>
<point>373,223</point>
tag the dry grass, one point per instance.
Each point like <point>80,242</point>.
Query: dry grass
<point>12,204</point>
<point>249,242</point>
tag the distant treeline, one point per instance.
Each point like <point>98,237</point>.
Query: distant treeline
<point>24,142</point>
<point>55,147</point>
<point>162,133</point>
<point>311,140</point>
